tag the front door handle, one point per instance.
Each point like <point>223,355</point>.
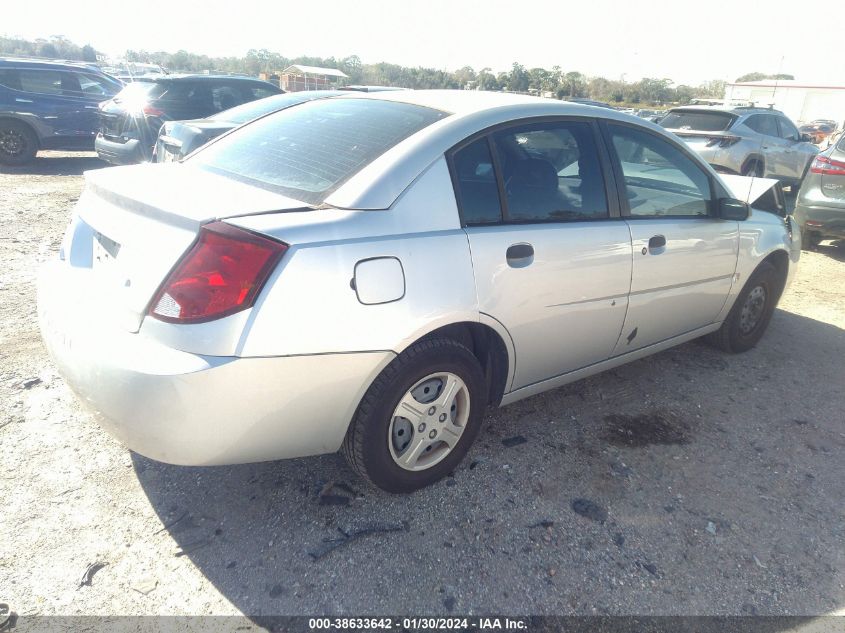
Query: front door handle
<point>520,255</point>
<point>657,241</point>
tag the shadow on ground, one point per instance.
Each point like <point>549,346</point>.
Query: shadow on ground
<point>57,164</point>
<point>741,513</point>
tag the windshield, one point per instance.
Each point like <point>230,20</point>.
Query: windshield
<point>697,120</point>
<point>254,109</point>
<point>308,151</point>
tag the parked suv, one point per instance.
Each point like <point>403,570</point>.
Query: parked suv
<point>820,208</point>
<point>129,123</point>
<point>747,141</point>
<point>49,105</point>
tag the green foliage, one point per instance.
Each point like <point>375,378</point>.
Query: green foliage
<point>554,82</point>
<point>762,76</point>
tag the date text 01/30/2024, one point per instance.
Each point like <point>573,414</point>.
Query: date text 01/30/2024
<point>424,623</point>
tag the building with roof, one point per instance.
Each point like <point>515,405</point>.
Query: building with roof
<point>800,101</point>
<point>297,77</point>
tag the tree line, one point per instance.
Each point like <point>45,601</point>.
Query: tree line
<point>554,82</point>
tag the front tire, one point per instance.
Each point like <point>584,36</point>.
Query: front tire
<point>750,315</point>
<point>418,418</point>
<point>18,143</point>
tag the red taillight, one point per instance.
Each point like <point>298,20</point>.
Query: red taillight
<point>827,167</point>
<point>221,274</point>
<point>152,111</point>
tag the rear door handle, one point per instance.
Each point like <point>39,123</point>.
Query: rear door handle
<point>520,255</point>
<point>657,241</point>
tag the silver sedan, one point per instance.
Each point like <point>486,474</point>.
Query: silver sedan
<point>368,273</point>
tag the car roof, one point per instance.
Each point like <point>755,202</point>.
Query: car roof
<point>738,110</point>
<point>197,77</point>
<point>465,102</point>
<point>378,184</point>
<point>50,64</point>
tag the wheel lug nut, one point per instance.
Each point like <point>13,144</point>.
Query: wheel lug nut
<point>442,417</point>
<point>432,410</point>
<point>421,427</point>
<point>433,434</point>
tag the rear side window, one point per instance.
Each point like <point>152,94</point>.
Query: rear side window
<point>763,124</point>
<point>659,178</point>
<point>551,171</point>
<point>698,121</point>
<point>47,82</point>
<point>308,151</point>
<point>225,97</point>
<point>259,92</point>
<point>475,179</point>
<point>9,78</point>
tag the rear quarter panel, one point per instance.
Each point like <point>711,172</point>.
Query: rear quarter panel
<point>310,306</point>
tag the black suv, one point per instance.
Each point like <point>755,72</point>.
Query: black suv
<point>130,122</point>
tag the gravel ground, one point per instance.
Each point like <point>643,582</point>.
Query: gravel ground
<point>691,482</point>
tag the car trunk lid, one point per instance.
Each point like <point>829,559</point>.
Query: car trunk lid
<point>134,223</point>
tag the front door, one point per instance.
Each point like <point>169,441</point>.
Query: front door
<point>551,262</point>
<point>683,258</point>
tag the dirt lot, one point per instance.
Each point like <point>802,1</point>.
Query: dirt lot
<point>690,482</point>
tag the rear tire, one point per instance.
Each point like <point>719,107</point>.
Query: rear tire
<point>378,438</point>
<point>18,143</point>
<point>750,315</point>
<point>809,241</point>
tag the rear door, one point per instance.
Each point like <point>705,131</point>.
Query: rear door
<point>794,158</point>
<point>683,258</point>
<point>551,256</point>
<point>773,147</point>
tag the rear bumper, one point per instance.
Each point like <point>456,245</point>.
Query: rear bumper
<point>190,409</point>
<point>826,221</point>
<point>127,153</point>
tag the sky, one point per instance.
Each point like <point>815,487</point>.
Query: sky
<point>688,41</point>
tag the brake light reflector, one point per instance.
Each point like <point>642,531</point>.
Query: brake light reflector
<point>152,111</point>
<point>827,167</point>
<point>222,273</point>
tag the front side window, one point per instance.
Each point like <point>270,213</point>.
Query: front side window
<point>97,87</point>
<point>763,124</point>
<point>476,187</point>
<point>307,152</point>
<point>551,171</point>
<point>660,179</point>
<point>787,130</point>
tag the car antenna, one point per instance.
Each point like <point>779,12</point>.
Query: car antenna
<point>771,107</point>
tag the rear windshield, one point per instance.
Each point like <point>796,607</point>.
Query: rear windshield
<point>701,121</point>
<point>308,151</point>
<point>255,109</point>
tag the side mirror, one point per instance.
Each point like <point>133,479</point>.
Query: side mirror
<point>733,209</point>
<point>806,138</point>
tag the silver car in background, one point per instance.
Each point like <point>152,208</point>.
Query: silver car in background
<point>744,140</point>
<point>368,273</point>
